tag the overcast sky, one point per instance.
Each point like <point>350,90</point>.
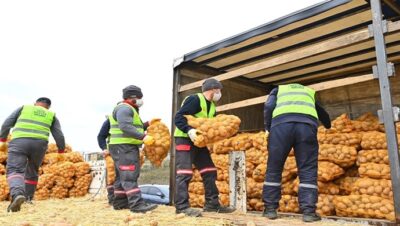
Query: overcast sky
<point>81,54</point>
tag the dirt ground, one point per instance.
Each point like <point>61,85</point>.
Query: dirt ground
<point>86,212</point>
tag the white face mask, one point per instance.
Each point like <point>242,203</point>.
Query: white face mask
<point>139,102</point>
<point>217,96</point>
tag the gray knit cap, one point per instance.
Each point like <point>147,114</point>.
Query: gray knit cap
<point>211,83</point>
<point>132,91</point>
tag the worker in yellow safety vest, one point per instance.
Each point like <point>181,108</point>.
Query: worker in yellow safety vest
<point>32,125</point>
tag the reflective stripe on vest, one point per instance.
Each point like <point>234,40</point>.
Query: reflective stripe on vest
<point>116,134</point>
<point>295,98</point>
<point>201,114</point>
<point>33,122</point>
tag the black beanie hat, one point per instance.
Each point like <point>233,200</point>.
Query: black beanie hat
<point>44,100</point>
<point>211,83</point>
<point>132,91</point>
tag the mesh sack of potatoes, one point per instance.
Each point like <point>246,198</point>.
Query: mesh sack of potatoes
<point>288,188</point>
<point>110,168</point>
<point>66,182</point>
<point>52,158</point>
<point>367,122</point>
<point>223,187</point>
<point>289,204</point>
<point>64,169</point>
<point>259,173</point>
<point>373,140</point>
<point>214,129</point>
<point>364,206</point>
<point>220,161</point>
<point>344,156</point>
<point>73,157</point>
<point>196,200</point>
<point>222,147</point>
<point>2,169</point>
<point>4,189</point>
<point>375,187</point>
<point>59,192</point>
<point>256,156</point>
<point>46,181</point>
<point>222,174</point>
<point>341,124</point>
<point>259,141</point>
<point>255,204</point>
<point>328,171</point>
<point>242,142</point>
<point>348,139</point>
<point>196,188</point>
<point>289,169</point>
<point>158,151</point>
<point>3,157</point>
<point>328,188</point>
<point>253,188</point>
<point>373,156</point>
<point>196,176</point>
<point>373,170</point>
<point>42,194</point>
<point>345,184</point>
<point>52,148</point>
<point>81,168</point>
<point>4,148</point>
<point>325,206</point>
<point>83,182</point>
<point>224,199</point>
<point>249,169</point>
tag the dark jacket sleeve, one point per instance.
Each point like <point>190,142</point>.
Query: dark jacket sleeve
<point>9,123</point>
<point>323,116</point>
<point>269,107</point>
<point>191,106</point>
<point>57,134</point>
<point>103,135</point>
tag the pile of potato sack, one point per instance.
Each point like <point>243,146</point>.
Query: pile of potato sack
<point>353,170</point>
<point>60,176</point>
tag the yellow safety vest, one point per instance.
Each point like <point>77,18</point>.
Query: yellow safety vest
<point>116,134</point>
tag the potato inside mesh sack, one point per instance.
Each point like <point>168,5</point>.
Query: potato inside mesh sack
<point>59,192</point>
<point>196,188</point>
<point>81,186</point>
<point>223,187</point>
<point>222,147</point>
<point>364,206</point>
<point>214,129</point>
<point>341,124</point>
<point>254,189</point>
<point>373,170</point>
<point>259,173</point>
<point>81,168</point>
<point>345,184</point>
<point>256,156</point>
<point>259,140</point>
<point>73,157</point>
<point>255,204</point>
<point>52,148</point>
<point>64,169</point>
<point>52,158</point>
<point>220,161</point>
<point>3,157</point>
<point>196,200</point>
<point>4,189</point>
<point>375,187</point>
<point>196,176</point>
<point>46,181</point>
<point>289,204</point>
<point>328,171</point>
<point>289,169</point>
<point>348,139</point>
<point>110,168</point>
<point>42,194</point>
<point>325,206</point>
<point>373,140</point>
<point>222,174</point>
<point>288,188</point>
<point>367,122</point>
<point>373,156</point>
<point>249,169</point>
<point>328,188</point>
<point>158,151</point>
<point>242,142</point>
<point>344,156</point>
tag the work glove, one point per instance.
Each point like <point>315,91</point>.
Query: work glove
<point>148,140</point>
<point>154,120</point>
<point>193,133</point>
<point>106,153</point>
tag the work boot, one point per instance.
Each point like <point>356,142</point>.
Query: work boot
<point>143,208</point>
<point>120,203</point>
<point>16,203</point>
<point>218,209</point>
<point>189,212</point>
<point>311,217</point>
<point>270,214</point>
<point>29,200</point>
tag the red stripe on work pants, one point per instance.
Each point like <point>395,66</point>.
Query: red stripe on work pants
<point>31,182</point>
<point>209,169</point>
<point>127,168</point>
<point>183,147</point>
<point>184,172</point>
<point>135,190</point>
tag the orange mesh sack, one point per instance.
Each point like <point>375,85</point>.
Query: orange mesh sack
<point>344,156</point>
<point>157,152</point>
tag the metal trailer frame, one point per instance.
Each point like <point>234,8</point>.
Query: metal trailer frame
<point>388,115</point>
